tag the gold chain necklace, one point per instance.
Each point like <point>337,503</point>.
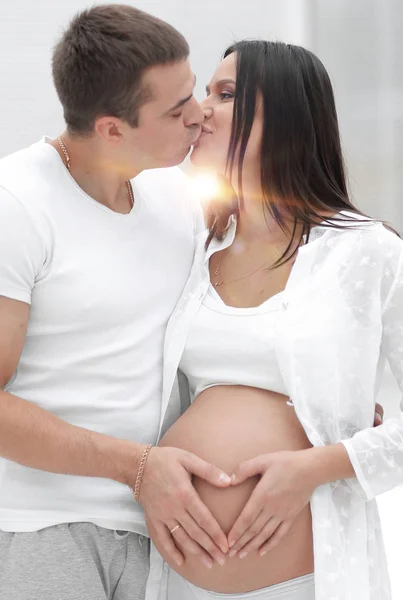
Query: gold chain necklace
<point>66,155</point>
<point>221,282</point>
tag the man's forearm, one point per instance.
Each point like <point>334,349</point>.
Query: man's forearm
<point>31,436</point>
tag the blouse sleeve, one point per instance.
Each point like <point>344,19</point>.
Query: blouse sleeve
<point>377,453</point>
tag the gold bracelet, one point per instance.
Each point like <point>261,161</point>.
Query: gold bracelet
<point>140,473</point>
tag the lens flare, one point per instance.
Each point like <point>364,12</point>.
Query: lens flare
<point>205,186</point>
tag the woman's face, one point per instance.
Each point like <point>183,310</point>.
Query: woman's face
<point>212,147</point>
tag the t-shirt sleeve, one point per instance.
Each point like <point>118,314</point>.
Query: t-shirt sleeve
<point>22,249</point>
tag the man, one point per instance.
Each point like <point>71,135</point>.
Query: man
<point>92,264</point>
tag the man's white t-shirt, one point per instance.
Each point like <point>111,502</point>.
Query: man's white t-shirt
<point>101,286</point>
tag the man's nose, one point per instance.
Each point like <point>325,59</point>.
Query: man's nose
<point>199,114</point>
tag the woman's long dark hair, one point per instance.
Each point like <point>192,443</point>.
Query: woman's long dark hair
<point>302,171</point>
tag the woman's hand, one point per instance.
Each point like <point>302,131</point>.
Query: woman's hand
<point>169,499</point>
<point>285,488</point>
<point>288,480</point>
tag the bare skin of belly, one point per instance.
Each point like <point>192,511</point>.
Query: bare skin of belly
<point>226,425</point>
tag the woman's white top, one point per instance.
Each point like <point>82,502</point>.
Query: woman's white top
<point>232,346</point>
<point>341,317</point>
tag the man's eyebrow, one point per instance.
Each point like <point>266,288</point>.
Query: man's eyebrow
<point>181,102</point>
<point>220,83</point>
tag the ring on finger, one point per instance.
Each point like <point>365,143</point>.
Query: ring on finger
<point>171,531</point>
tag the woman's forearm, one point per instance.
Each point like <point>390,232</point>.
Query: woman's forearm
<point>329,463</point>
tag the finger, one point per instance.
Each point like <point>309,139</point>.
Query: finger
<point>275,539</point>
<point>379,414</point>
<point>248,516</point>
<point>189,546</point>
<point>250,533</point>
<point>247,469</point>
<point>257,542</point>
<point>168,545</point>
<point>205,470</point>
<point>207,523</point>
<point>379,409</point>
<point>204,541</point>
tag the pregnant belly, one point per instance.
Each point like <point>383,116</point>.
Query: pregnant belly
<point>226,425</point>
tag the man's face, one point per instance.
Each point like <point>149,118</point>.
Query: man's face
<point>170,122</point>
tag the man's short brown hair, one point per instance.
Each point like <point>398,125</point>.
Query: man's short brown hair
<point>98,63</point>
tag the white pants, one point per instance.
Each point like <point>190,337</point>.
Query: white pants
<point>301,588</point>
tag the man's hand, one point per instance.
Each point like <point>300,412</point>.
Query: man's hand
<point>378,415</point>
<point>169,499</point>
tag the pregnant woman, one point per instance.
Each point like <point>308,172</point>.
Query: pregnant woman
<point>294,302</point>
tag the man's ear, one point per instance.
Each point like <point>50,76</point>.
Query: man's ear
<point>110,129</point>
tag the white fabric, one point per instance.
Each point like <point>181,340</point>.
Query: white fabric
<point>341,317</point>
<point>101,286</point>
<point>300,588</point>
<point>232,346</point>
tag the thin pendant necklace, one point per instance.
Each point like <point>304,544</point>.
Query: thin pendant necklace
<point>66,155</point>
<point>220,282</point>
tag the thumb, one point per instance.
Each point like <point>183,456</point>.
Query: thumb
<point>205,470</point>
<point>247,469</point>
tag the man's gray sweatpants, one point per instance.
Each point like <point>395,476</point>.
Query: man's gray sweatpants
<point>77,561</point>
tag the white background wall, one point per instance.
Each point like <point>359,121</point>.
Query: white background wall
<point>358,42</point>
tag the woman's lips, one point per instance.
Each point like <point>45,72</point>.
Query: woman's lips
<point>203,134</point>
